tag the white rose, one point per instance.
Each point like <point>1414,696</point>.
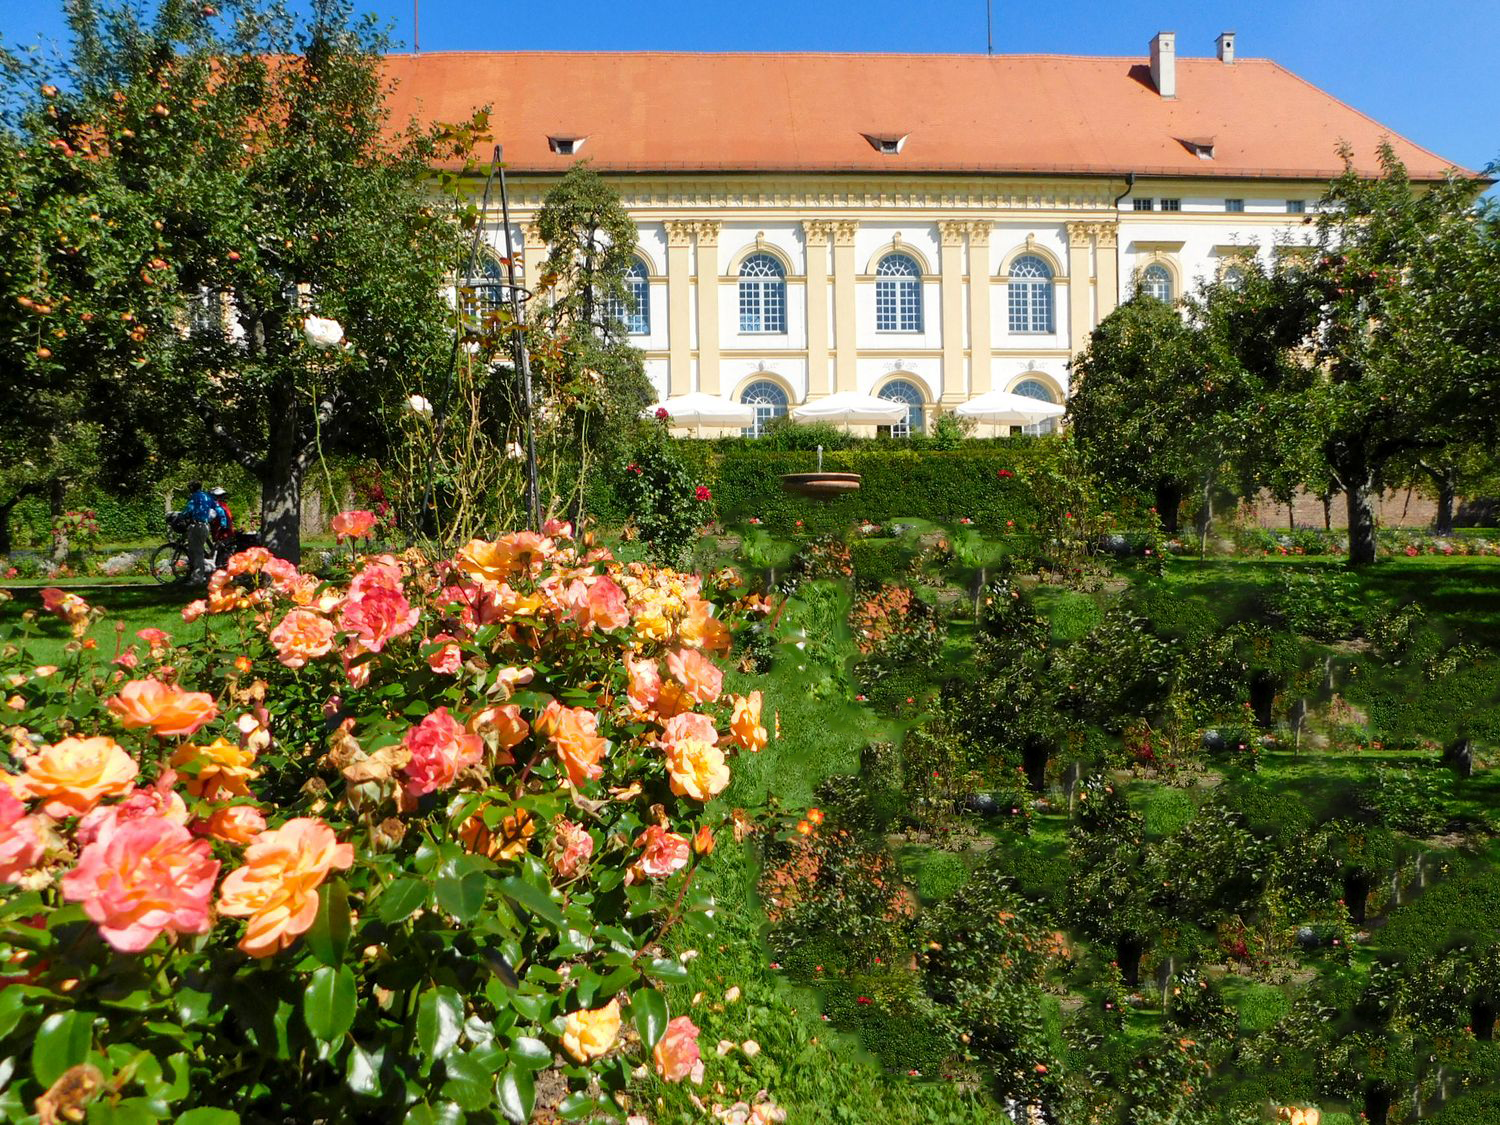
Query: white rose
<point>419,405</point>
<point>322,332</point>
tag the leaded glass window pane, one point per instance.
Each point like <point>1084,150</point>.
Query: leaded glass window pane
<point>898,294</point>
<point>1157,282</point>
<point>762,295</point>
<point>899,390</point>
<point>1035,388</point>
<point>1030,295</point>
<point>635,312</point>
<point>768,401</point>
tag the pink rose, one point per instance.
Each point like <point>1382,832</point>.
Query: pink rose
<point>440,747</point>
<point>676,1052</point>
<point>448,659</point>
<point>571,848</point>
<point>23,838</point>
<point>662,852</point>
<point>352,525</point>
<point>376,609</point>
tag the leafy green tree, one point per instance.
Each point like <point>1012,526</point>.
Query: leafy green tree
<point>260,182</point>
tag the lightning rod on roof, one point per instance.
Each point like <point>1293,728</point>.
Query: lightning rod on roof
<point>989,27</point>
<point>416,27</point>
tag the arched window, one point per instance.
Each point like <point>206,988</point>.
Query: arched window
<point>635,312</point>
<point>1035,388</point>
<point>482,292</point>
<point>1030,295</point>
<point>899,390</point>
<point>768,401</point>
<point>898,294</point>
<point>1156,281</point>
<point>1233,277</point>
<point>762,295</point>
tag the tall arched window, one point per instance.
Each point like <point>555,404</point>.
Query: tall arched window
<point>634,313</point>
<point>1156,281</point>
<point>1030,295</point>
<point>899,390</point>
<point>1035,388</point>
<point>898,294</point>
<point>768,401</point>
<point>762,295</point>
<point>482,292</point>
<point>1233,277</point>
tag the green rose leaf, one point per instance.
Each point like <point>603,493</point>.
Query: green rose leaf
<point>209,1116</point>
<point>329,1002</point>
<point>516,1094</point>
<point>533,1054</point>
<point>61,1042</point>
<point>401,900</point>
<point>648,1008</point>
<point>329,936</point>
<point>440,1019</point>
<point>363,1073</point>
<point>532,898</point>
<point>468,1082</point>
<point>445,1114</point>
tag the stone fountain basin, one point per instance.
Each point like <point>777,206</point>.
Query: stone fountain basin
<point>821,484</point>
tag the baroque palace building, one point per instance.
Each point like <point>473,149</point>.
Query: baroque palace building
<point>924,228</point>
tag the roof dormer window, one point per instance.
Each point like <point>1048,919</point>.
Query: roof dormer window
<point>1201,147</point>
<point>888,143</point>
<point>565,146</point>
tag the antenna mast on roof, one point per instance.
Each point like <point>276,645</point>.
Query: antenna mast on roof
<point>989,26</point>
<point>416,26</point>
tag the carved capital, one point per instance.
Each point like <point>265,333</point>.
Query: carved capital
<point>954,231</point>
<point>708,232</point>
<point>844,231</point>
<point>979,232</point>
<point>1081,234</point>
<point>817,230</point>
<point>680,232</point>
<point>1108,234</point>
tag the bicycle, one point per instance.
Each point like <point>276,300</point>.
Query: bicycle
<point>169,562</point>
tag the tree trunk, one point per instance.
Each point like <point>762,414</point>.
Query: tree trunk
<point>1361,523</point>
<point>1447,493</point>
<point>281,486</point>
<point>1377,1103</point>
<point>1128,951</point>
<point>1168,500</point>
<point>7,510</point>
<point>1327,511</point>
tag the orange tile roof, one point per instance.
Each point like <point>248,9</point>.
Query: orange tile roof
<point>809,113</point>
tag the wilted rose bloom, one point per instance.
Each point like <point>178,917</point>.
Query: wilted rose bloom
<point>72,775</point>
<point>745,727</point>
<point>695,765</point>
<point>67,606</point>
<point>699,676</point>
<point>501,727</point>
<point>301,636</point>
<point>676,1052</point>
<point>147,876</point>
<point>510,839</point>
<point>662,852</point>
<point>587,1033</point>
<point>23,838</point>
<point>574,734</point>
<point>448,659</point>
<point>217,772</point>
<point>277,888</point>
<point>323,333</point>
<point>354,524</point>
<point>157,801</point>
<point>571,848</point>
<point>234,824</point>
<point>165,708</point>
<point>440,747</point>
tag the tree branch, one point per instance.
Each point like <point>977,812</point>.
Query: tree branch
<point>239,452</point>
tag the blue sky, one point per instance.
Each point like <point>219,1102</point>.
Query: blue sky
<point>1425,68</point>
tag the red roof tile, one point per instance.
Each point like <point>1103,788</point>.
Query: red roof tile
<point>809,113</point>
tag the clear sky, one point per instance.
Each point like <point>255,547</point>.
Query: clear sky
<point>1425,68</point>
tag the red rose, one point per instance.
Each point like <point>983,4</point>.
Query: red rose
<point>702,493</point>
<point>661,414</point>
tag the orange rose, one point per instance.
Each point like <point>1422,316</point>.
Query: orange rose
<point>301,636</point>
<point>218,771</point>
<point>695,764</point>
<point>75,773</point>
<point>277,888</point>
<point>509,841</point>
<point>676,1052</point>
<point>352,525</point>
<point>699,676</point>
<point>165,708</point>
<point>703,840</point>
<point>701,629</point>
<point>745,727</point>
<point>234,824</point>
<point>587,1034</point>
<point>574,734</point>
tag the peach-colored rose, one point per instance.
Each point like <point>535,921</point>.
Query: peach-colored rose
<point>662,852</point>
<point>574,734</point>
<point>277,888</point>
<point>158,801</point>
<point>745,728</point>
<point>127,659</point>
<point>194,610</point>
<point>72,775</point>
<point>440,747</point>
<point>218,771</point>
<point>252,560</point>
<point>23,838</point>
<point>587,1034</point>
<point>147,876</point>
<point>494,562</point>
<point>234,824</point>
<point>571,848</point>
<point>165,708</point>
<point>602,604</point>
<point>676,1052</point>
<point>695,765</point>
<point>156,639</point>
<point>560,529</point>
<point>68,607</point>
<point>376,609</point>
<point>699,676</point>
<point>502,729</point>
<point>700,629</point>
<point>703,840</point>
<point>355,524</point>
<point>510,839</point>
<point>302,635</point>
<point>448,659</point>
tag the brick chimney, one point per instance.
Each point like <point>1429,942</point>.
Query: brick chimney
<point>1225,44</point>
<point>1164,63</point>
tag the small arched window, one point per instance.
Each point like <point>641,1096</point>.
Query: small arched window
<point>1233,277</point>
<point>898,294</point>
<point>768,401</point>
<point>482,292</point>
<point>635,311</point>
<point>899,390</point>
<point>762,295</point>
<point>1035,388</point>
<point>1156,281</point>
<point>1030,295</point>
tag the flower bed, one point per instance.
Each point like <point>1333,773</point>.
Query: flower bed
<point>404,847</point>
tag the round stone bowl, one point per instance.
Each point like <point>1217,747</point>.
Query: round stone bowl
<point>826,485</point>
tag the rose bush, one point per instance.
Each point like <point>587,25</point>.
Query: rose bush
<point>400,849</point>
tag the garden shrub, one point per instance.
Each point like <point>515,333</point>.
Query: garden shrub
<point>940,874</point>
<point>1462,908</point>
<point>667,503</point>
<point>1469,1107</point>
<point>445,799</point>
<point>880,560</point>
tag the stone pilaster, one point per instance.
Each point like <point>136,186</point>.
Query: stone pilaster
<point>953,233</point>
<point>1107,240</point>
<point>1080,243</point>
<point>846,352</point>
<point>679,306</point>
<point>708,306</point>
<point>981,269</point>
<point>817,235</point>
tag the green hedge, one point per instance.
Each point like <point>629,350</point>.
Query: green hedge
<point>881,560</point>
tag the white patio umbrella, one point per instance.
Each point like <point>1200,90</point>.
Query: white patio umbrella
<point>699,409</point>
<point>1005,408</point>
<point>852,409</point>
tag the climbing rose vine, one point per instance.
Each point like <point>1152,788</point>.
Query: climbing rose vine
<point>400,849</point>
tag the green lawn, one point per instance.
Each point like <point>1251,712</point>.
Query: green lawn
<point>138,605</point>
